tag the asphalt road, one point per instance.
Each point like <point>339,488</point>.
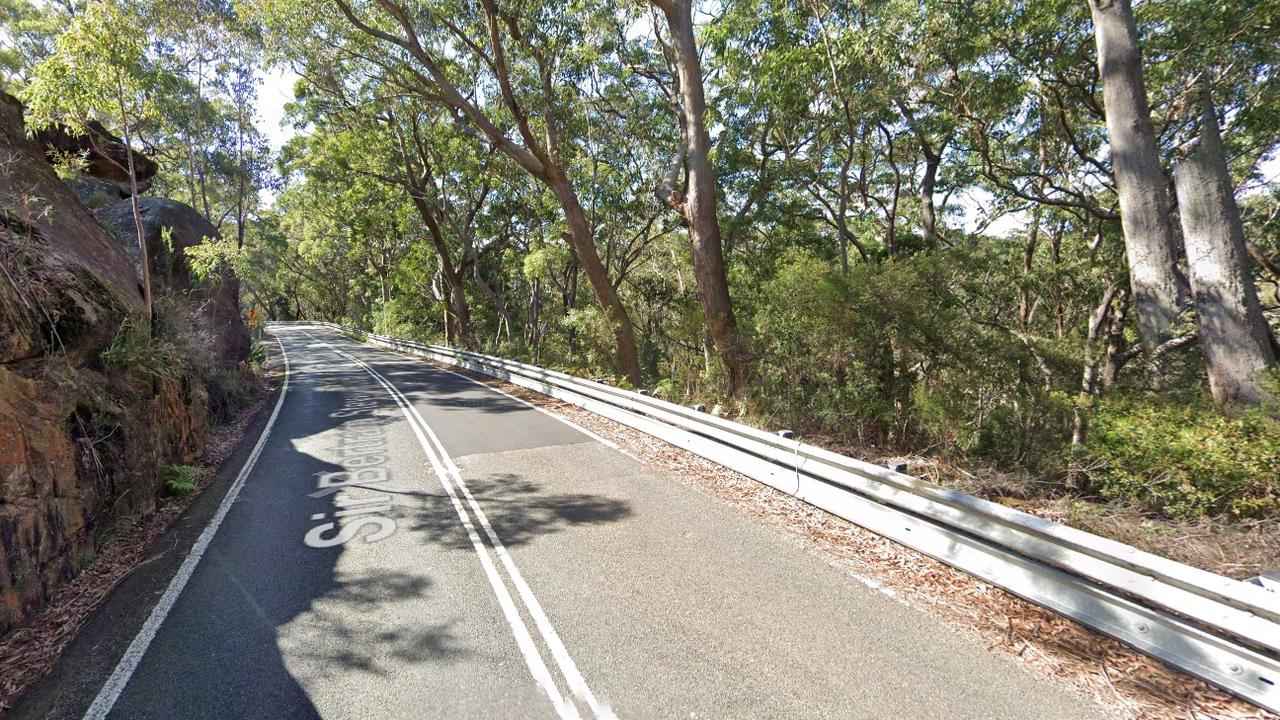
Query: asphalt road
<point>410,544</point>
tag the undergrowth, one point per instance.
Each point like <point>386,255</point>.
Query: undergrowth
<point>181,480</point>
<point>1184,458</point>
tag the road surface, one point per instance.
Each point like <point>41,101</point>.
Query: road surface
<point>410,543</point>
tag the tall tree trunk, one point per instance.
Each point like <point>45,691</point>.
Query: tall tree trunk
<point>191,173</point>
<point>842,210</point>
<point>456,297</point>
<point>533,316</point>
<point>700,204</point>
<point>1234,336</point>
<point>580,237</point>
<point>499,304</point>
<point>1150,241</point>
<point>240,174</point>
<point>1028,264</point>
<point>891,230</point>
<point>143,254</point>
<point>1115,352</point>
<point>1089,379</point>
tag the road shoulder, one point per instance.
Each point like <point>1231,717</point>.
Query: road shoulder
<point>143,562</point>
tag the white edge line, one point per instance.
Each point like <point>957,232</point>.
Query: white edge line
<point>111,690</point>
<point>866,581</point>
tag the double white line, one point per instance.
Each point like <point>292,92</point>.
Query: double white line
<point>451,479</point>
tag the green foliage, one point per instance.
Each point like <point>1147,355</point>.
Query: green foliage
<point>1180,456</point>
<point>181,480</point>
<point>824,118</point>
<point>889,353</point>
<point>209,258</point>
<point>404,317</point>
<point>591,330</point>
<point>133,349</point>
<point>258,353</point>
<point>97,71</point>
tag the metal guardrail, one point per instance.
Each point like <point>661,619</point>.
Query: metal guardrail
<point>1221,630</point>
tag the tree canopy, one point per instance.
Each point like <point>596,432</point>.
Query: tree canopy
<point>937,226</point>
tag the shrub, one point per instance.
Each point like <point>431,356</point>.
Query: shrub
<point>1182,457</point>
<point>258,354</point>
<point>594,337</point>
<point>896,353</point>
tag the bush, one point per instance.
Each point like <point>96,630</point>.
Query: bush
<point>594,337</point>
<point>1180,456</point>
<point>895,353</point>
<point>133,349</point>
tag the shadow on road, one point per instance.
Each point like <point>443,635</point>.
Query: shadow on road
<point>267,620</point>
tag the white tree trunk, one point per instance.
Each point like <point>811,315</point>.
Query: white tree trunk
<point>1234,336</point>
<point>1149,237</point>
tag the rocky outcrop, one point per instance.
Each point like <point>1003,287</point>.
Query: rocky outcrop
<point>170,227</point>
<point>56,250</point>
<point>88,425</point>
<point>95,193</point>
<point>105,156</point>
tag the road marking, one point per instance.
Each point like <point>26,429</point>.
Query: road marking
<point>533,658</point>
<point>558,651</point>
<point>362,447</point>
<point>115,684</point>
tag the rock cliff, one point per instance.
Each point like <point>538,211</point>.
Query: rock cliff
<point>93,411</point>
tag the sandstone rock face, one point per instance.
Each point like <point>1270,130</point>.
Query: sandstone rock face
<point>217,302</point>
<point>38,205</point>
<point>105,154</point>
<point>82,444</point>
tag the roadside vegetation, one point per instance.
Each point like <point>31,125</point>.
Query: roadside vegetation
<point>1038,240</point>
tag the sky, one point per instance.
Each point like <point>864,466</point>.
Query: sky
<point>276,90</point>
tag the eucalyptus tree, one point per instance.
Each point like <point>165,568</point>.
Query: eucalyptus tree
<point>697,205</point>
<point>324,251</point>
<point>508,78</point>
<point>99,68</point>
<point>1237,344</point>
<point>1141,185</point>
<point>212,155</point>
<point>27,33</point>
